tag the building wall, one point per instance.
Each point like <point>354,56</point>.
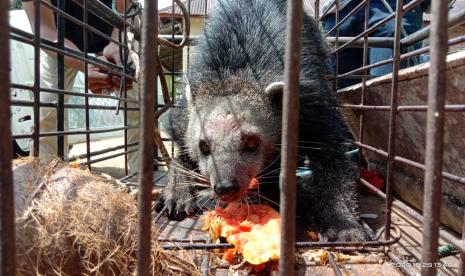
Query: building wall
<point>455,32</point>
<point>196,30</point>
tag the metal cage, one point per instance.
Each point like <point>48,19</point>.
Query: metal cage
<point>150,109</point>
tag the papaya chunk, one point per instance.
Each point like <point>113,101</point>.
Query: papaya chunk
<point>254,230</point>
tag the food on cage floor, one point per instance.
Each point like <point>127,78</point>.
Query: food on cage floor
<point>321,257</point>
<point>254,230</point>
<point>72,222</point>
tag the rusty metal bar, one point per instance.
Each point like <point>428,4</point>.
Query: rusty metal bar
<point>317,9</point>
<point>85,26</point>
<point>336,26</point>
<point>148,99</point>
<point>454,20</point>
<point>188,66</point>
<point>72,132</point>
<point>302,244</point>
<point>393,119</point>
<point>206,8</point>
<point>108,15</point>
<point>432,196</point>
<point>287,179</point>
<point>70,106</point>
<point>200,240</point>
<point>52,46</point>
<point>172,75</point>
<point>452,177</point>
<point>107,157</point>
<point>36,87</point>
<point>346,248</point>
<point>159,215</point>
<point>86,83</point>
<point>327,11</point>
<point>336,54</point>
<point>373,42</point>
<point>70,93</point>
<point>100,152</point>
<point>364,80</point>
<point>405,269</point>
<point>123,90</point>
<point>462,254</point>
<point>453,41</point>
<point>333,264</point>
<point>116,20</point>
<point>380,23</point>
<point>387,42</point>
<point>7,207</point>
<point>178,38</point>
<point>448,237</point>
<point>60,22</point>
<point>412,108</point>
<point>206,261</point>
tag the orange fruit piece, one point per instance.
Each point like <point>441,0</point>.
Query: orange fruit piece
<point>254,230</point>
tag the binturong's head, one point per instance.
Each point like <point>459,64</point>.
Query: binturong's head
<point>233,130</point>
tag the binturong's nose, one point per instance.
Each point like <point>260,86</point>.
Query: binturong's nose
<point>226,187</point>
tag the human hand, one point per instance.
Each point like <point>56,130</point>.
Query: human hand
<point>111,53</point>
<point>98,80</point>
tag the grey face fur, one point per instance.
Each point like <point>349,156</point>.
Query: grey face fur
<point>229,137</point>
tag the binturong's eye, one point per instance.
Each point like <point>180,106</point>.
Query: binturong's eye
<point>204,147</point>
<point>250,143</point>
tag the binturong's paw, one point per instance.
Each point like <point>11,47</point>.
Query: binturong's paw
<point>177,204</point>
<point>354,233</point>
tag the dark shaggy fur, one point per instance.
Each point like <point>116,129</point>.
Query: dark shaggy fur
<point>240,53</point>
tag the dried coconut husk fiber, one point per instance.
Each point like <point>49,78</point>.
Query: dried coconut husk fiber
<point>71,222</point>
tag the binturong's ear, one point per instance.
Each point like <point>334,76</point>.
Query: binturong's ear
<point>275,92</point>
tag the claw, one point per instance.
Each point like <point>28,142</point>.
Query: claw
<point>192,210</point>
<point>177,215</point>
<point>356,233</point>
<point>159,205</point>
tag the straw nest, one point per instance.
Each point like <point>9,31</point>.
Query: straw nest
<point>70,222</point>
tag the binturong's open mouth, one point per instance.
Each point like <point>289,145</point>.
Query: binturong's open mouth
<point>230,198</point>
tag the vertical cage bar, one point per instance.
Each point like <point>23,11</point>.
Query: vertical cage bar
<point>7,215</point>
<point>188,45</point>
<point>125,123</point>
<point>462,254</point>
<point>364,81</point>
<point>172,65</point>
<point>148,101</point>
<point>336,45</point>
<point>432,197</point>
<point>124,92</point>
<point>36,88</point>
<point>287,178</point>
<point>86,84</point>
<point>333,265</point>
<point>393,118</point>
<point>61,79</point>
<point>317,9</point>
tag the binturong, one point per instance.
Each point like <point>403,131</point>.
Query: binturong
<point>228,123</point>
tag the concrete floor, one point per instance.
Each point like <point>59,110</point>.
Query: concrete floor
<point>114,166</point>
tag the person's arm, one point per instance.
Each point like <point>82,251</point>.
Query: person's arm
<point>48,30</point>
<point>112,51</point>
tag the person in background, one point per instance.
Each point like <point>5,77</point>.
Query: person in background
<point>352,58</point>
<point>98,79</point>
